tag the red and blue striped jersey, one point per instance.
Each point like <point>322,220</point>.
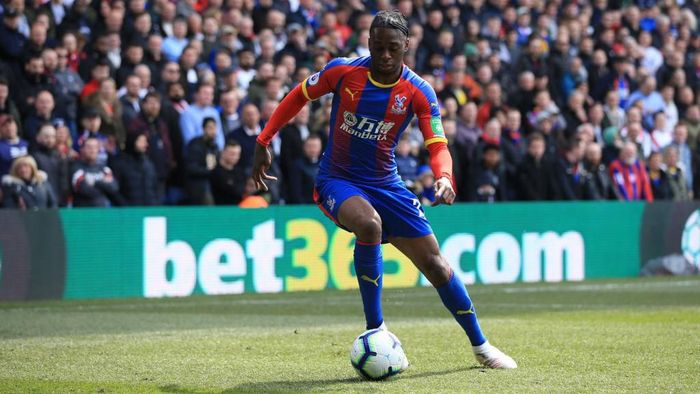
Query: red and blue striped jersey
<point>368,117</point>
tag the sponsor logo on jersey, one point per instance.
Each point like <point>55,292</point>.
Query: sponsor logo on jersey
<point>436,125</point>
<point>313,80</point>
<point>330,202</point>
<point>399,105</point>
<point>351,93</point>
<point>365,128</point>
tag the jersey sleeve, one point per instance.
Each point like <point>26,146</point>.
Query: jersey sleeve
<point>324,81</point>
<point>427,109</point>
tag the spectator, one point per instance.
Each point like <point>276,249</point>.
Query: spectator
<point>130,101</point>
<point>160,148</point>
<point>49,161</point>
<point>425,182</point>
<point>228,180</point>
<point>489,182</point>
<point>676,177</point>
<point>292,138</point>
<point>192,118</point>
<point>7,106</point>
<point>230,120</point>
<point>614,114</point>
<point>508,155</point>
<point>600,178</point>
<point>692,124</point>
<point>513,132</point>
<point>98,73</point>
<point>571,181</point>
<point>67,87</point>
<point>658,178</point>
<point>43,113</point>
<point>685,155</point>
<point>468,131</point>
<point>109,109</point>
<point>12,41</point>
<point>11,146</point>
<point>201,156</point>
<point>93,183</point>
<point>91,123</point>
<point>650,100</point>
<point>174,45</point>
<point>302,176</point>
<point>534,176</point>
<point>629,176</point>
<point>521,97</point>
<point>25,187</point>
<point>251,196</point>
<point>406,163</point>
<point>136,174</point>
<point>659,138</point>
<point>64,142</point>
<point>29,84</point>
<point>248,132</point>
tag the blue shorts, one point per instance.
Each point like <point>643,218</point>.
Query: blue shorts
<point>400,210</point>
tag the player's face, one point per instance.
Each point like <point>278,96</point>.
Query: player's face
<point>387,47</point>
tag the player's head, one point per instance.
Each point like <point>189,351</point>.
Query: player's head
<point>388,41</point>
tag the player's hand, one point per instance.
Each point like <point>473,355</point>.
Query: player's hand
<point>444,193</point>
<point>262,160</point>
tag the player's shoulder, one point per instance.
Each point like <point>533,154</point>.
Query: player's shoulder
<point>419,84</point>
<point>351,62</point>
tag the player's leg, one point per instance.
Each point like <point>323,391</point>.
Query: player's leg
<point>425,254</point>
<point>357,215</point>
<point>348,206</point>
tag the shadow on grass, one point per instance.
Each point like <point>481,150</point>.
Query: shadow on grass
<point>321,384</point>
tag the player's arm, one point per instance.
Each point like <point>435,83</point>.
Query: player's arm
<point>311,88</point>
<point>428,111</point>
<point>262,159</point>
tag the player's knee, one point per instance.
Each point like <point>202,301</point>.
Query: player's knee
<point>437,270</point>
<point>369,229</point>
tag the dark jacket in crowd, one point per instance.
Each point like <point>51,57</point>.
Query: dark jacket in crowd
<point>200,153</point>
<point>302,180</point>
<point>160,149</point>
<point>56,168</point>
<point>660,186</point>
<point>572,182</point>
<point>496,178</point>
<point>227,186</point>
<point>94,186</point>
<point>291,149</point>
<point>136,175</point>
<point>601,183</point>
<point>27,195</point>
<point>535,179</point>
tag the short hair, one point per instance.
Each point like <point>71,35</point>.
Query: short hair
<point>390,20</point>
<point>231,143</point>
<point>535,136</point>
<point>151,95</point>
<point>207,120</point>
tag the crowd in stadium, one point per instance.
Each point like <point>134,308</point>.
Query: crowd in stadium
<point>135,102</point>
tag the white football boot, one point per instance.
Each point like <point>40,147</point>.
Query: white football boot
<point>489,356</point>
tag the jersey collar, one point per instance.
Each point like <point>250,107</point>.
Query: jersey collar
<point>383,85</point>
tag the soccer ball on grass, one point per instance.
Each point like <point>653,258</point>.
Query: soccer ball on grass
<point>377,354</point>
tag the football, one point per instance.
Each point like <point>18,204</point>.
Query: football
<point>377,354</point>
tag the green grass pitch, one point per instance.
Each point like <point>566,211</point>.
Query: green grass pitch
<point>637,335</point>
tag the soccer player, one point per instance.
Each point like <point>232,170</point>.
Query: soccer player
<point>358,187</point>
